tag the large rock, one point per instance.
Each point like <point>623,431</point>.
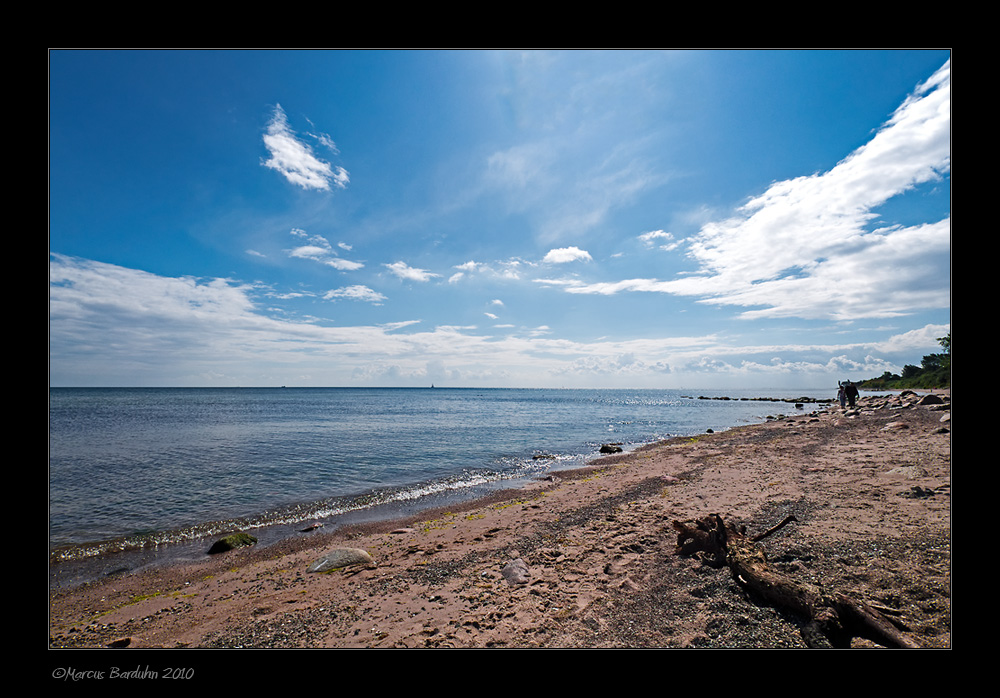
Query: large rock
<point>516,572</point>
<point>340,558</point>
<point>231,542</point>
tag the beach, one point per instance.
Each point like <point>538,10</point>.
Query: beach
<point>586,558</point>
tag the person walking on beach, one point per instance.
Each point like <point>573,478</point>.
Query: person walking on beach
<point>841,394</point>
<point>852,393</point>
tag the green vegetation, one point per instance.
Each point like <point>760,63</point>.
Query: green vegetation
<point>934,371</point>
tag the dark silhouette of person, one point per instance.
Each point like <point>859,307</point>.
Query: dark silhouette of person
<point>852,393</point>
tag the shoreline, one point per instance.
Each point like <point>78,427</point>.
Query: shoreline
<point>72,564</point>
<point>597,546</point>
<point>74,538</point>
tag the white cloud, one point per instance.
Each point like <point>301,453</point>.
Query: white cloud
<point>399,325</point>
<point>564,255</point>
<point>318,249</point>
<point>506,270</point>
<point>650,239</point>
<point>470,266</point>
<point>921,340</point>
<point>295,160</point>
<point>405,271</point>
<point>111,325</point>
<point>804,249</point>
<point>356,293</point>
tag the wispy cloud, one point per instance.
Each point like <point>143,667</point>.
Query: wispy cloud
<point>318,249</point>
<point>295,160</point>
<point>533,178</point>
<point>506,270</point>
<point>405,271</point>
<point>659,238</point>
<point>356,293</point>
<point>117,326</point>
<point>804,248</point>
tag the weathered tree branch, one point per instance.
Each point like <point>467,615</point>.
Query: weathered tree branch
<point>833,619</point>
<point>774,529</point>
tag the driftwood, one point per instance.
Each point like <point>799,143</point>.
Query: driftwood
<point>833,618</point>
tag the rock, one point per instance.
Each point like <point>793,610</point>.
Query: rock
<point>231,542</point>
<point>516,572</point>
<point>311,527</point>
<point>340,558</point>
<point>611,448</point>
<point>910,472</point>
<point>930,400</point>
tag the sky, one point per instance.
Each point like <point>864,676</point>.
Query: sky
<point>630,219</point>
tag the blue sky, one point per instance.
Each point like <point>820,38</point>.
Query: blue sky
<point>675,219</point>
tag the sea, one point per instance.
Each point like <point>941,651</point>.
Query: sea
<point>146,476</point>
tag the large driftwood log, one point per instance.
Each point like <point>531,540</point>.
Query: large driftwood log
<point>833,619</point>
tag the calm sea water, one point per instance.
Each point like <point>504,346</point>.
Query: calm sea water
<point>138,468</point>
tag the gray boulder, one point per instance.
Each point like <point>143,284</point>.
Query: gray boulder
<point>340,558</point>
<point>516,572</point>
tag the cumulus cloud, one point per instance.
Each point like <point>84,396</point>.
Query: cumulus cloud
<point>295,160</point>
<point>563,255</point>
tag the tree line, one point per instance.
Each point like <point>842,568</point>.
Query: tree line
<point>934,371</point>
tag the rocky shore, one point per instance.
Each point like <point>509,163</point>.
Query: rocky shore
<point>586,559</point>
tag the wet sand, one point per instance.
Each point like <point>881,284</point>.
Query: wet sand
<point>870,491</point>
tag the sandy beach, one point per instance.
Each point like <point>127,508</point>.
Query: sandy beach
<point>594,553</point>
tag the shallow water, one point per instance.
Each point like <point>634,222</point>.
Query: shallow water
<point>138,468</point>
